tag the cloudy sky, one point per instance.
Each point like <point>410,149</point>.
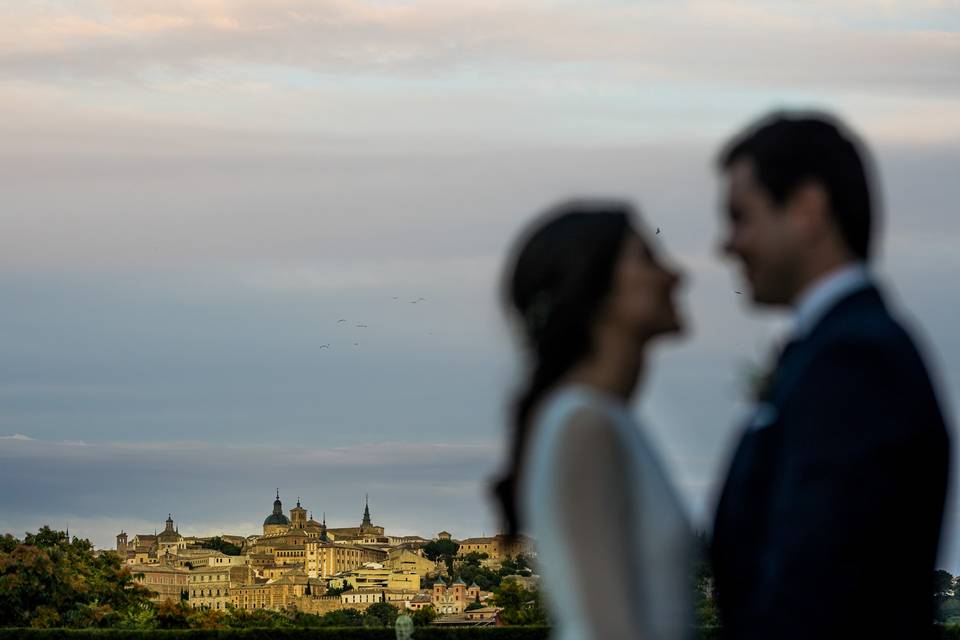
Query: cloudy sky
<point>196,191</point>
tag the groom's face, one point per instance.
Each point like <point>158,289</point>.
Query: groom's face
<point>761,236</point>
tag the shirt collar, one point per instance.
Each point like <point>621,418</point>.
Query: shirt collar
<point>821,296</point>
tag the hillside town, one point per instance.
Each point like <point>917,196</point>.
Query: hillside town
<point>298,563</point>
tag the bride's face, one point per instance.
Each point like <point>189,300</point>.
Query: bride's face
<point>641,299</point>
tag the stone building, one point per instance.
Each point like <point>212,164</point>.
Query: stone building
<point>209,588</point>
<point>324,559</point>
<point>167,582</point>
<point>455,598</point>
<point>498,547</point>
<point>404,559</point>
<point>170,541</point>
<point>375,576</point>
<point>277,594</point>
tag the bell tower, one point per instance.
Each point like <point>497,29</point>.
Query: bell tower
<point>122,543</point>
<point>298,516</point>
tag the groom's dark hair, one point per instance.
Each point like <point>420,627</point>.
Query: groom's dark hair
<point>790,149</point>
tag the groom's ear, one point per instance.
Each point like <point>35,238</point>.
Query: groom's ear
<point>809,208</point>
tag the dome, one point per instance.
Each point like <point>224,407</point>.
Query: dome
<point>276,518</point>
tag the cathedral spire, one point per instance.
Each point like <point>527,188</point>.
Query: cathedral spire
<point>366,514</point>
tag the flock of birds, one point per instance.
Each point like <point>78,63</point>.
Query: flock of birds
<point>364,326</point>
<point>418,301</point>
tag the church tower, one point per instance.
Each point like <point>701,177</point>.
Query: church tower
<point>366,525</point>
<point>122,543</point>
<point>298,516</point>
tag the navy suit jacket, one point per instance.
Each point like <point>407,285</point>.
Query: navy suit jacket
<point>829,521</point>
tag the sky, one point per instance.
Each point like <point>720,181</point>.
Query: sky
<point>196,192</point>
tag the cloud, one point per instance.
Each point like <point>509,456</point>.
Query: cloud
<point>754,44</point>
<point>16,436</point>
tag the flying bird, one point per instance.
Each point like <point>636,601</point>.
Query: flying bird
<point>325,346</point>
<point>658,230</point>
<point>739,292</point>
<point>341,320</point>
<point>362,326</point>
<point>356,344</point>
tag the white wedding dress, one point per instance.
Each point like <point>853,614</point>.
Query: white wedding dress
<point>613,542</point>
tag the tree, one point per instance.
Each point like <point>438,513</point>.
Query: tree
<point>942,585</point>
<point>219,544</point>
<point>474,605</point>
<point>519,566</point>
<point>445,550</point>
<point>256,618</point>
<point>342,618</point>
<point>381,614</point>
<point>335,591</point>
<point>474,558</point>
<point>50,581</point>
<point>519,605</point>
<point>948,611</point>
<point>173,615</point>
<point>486,579</point>
<point>705,597</point>
<point>426,615</point>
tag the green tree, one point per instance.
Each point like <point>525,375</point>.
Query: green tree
<point>342,618</point>
<point>942,585</point>
<point>173,615</point>
<point>48,581</point>
<point>331,591</point>
<point>948,611</point>
<point>473,605</point>
<point>445,550</point>
<point>519,566</point>
<point>705,597</point>
<point>474,558</point>
<point>426,615</point>
<point>380,614</point>
<point>219,544</point>
<point>256,618</point>
<point>486,579</point>
<point>520,605</point>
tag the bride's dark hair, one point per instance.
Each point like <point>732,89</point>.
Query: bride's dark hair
<point>561,273</point>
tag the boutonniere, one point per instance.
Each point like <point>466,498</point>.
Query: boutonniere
<point>759,378</point>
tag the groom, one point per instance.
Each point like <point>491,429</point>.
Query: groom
<point>828,524</point>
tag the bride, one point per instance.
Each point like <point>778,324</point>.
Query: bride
<point>613,543</point>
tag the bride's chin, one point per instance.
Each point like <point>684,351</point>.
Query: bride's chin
<point>676,327</point>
